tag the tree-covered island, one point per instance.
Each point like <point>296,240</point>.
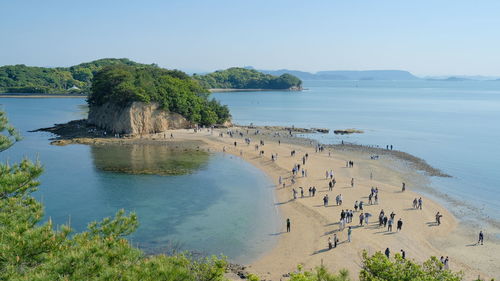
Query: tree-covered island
<point>243,78</point>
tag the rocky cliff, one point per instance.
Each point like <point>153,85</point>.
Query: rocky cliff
<point>136,118</point>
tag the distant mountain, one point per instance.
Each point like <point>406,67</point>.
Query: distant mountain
<point>347,74</point>
<point>450,79</point>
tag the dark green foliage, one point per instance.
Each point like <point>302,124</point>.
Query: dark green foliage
<point>172,89</point>
<point>378,267</point>
<point>242,78</point>
<point>29,79</point>
<point>32,250</point>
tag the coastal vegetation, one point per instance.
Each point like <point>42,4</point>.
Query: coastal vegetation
<point>243,78</point>
<point>378,267</point>
<point>31,249</point>
<point>174,90</point>
<point>60,80</point>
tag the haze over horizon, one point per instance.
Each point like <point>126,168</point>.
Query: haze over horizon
<point>426,38</point>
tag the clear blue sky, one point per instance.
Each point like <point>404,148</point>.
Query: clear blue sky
<point>436,37</point>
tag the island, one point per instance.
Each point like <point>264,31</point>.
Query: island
<point>237,78</point>
<point>138,100</point>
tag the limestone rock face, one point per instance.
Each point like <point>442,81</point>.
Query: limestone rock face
<point>136,118</point>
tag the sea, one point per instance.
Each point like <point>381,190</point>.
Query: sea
<point>225,205</point>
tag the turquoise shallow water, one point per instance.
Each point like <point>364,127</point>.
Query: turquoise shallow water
<point>225,207</point>
<point>455,126</point>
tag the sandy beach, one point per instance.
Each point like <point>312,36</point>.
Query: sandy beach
<point>312,223</point>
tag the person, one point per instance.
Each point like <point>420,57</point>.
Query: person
<point>280,180</point>
<point>403,188</point>
<point>400,225</point>
<point>481,237</point>
<point>325,200</point>
<point>438,218</point>
<point>356,206</point>
<point>301,192</point>
<point>288,225</point>
<point>314,191</point>
<point>367,216</point>
<point>387,252</point>
<point>446,263</point>
<point>361,206</point>
<point>415,203</point>
<point>349,232</point>
<point>420,203</point>
<point>330,186</point>
<point>330,246</point>
<point>361,219</point>
<point>352,182</point>
<point>294,193</point>
<point>389,225</point>
<point>403,254</point>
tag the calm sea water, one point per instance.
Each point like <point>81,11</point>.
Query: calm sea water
<point>455,126</point>
<point>226,206</point>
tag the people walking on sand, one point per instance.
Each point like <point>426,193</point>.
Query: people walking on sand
<point>330,246</point>
<point>387,253</point>
<point>314,191</point>
<point>294,193</point>
<point>340,199</point>
<point>361,219</point>
<point>420,203</point>
<point>370,201</point>
<point>356,206</point>
<point>389,224</point>
<point>301,192</point>
<point>352,182</point>
<point>415,203</point>
<point>310,191</point>
<point>325,200</point>
<point>288,225</point>
<point>481,238</point>
<point>438,218</point>
<point>403,188</point>
<point>361,204</point>
<point>335,240</point>
<point>385,221</point>
<point>399,225</point>
<point>330,185</point>
<point>376,198</point>
<point>349,233</point>
<point>367,217</point>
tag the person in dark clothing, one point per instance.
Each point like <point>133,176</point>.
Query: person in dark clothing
<point>400,224</point>
<point>403,254</point>
<point>287,225</point>
<point>387,253</point>
<point>481,238</point>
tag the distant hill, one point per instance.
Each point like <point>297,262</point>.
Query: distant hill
<point>348,74</point>
<point>245,78</point>
<point>59,80</point>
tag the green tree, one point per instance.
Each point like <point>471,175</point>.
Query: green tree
<point>378,267</point>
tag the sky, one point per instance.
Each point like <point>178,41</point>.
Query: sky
<point>437,37</point>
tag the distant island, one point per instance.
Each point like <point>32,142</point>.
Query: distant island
<point>242,78</point>
<point>346,74</point>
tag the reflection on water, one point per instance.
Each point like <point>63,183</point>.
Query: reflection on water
<point>147,159</point>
